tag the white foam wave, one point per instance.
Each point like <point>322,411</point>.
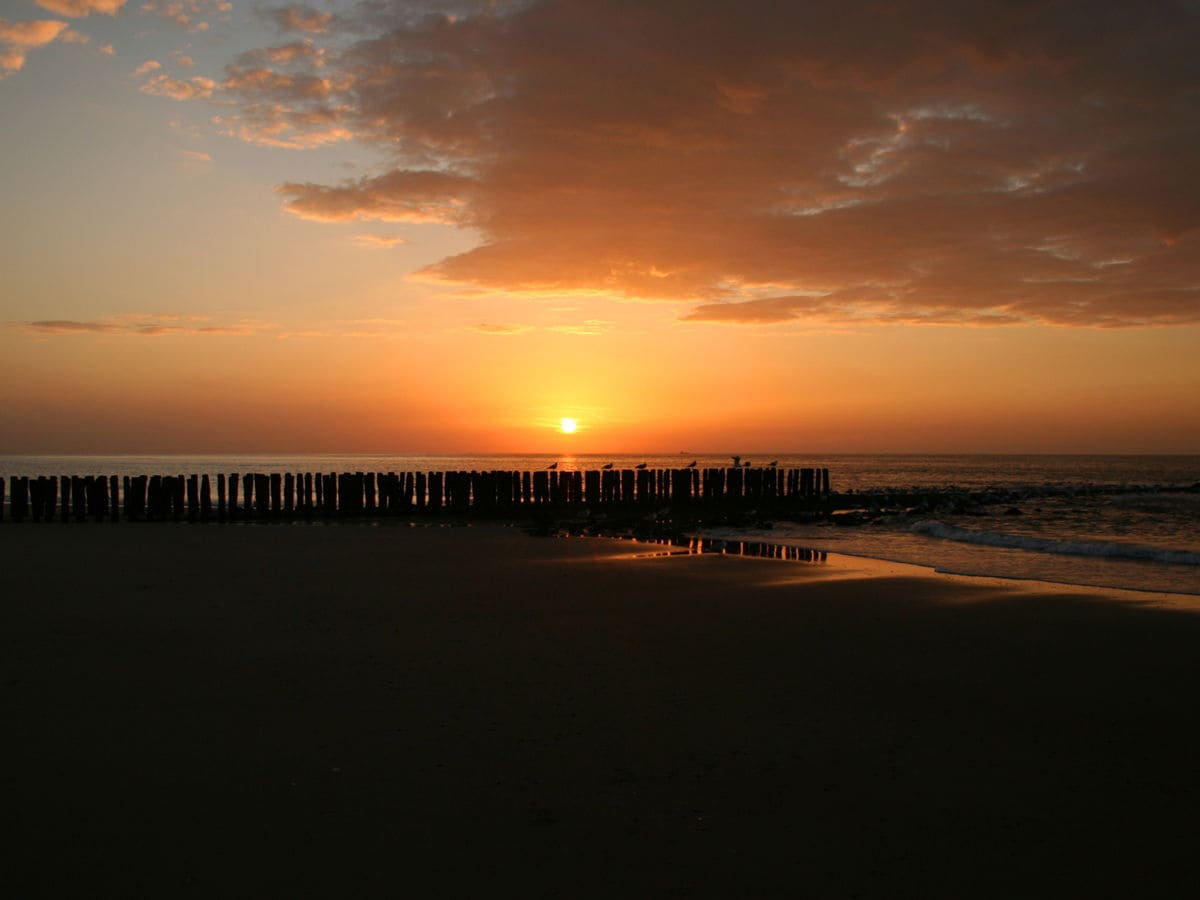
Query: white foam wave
<point>1100,549</point>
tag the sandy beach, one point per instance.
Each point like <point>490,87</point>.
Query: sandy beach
<point>350,710</point>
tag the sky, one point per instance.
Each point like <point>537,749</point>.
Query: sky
<point>392,226</point>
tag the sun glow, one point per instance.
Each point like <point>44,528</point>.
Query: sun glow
<point>568,426</point>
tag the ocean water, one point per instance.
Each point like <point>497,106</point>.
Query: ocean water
<point>1130,522</point>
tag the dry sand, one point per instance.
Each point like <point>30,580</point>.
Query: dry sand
<point>363,710</point>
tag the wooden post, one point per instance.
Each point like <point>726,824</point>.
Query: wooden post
<point>20,498</point>
<point>408,490</point>
<point>233,492</point>
<point>101,508</point>
<point>331,494</point>
<point>389,493</point>
<point>221,495</point>
<point>264,496</point>
<point>180,487</point>
<point>436,486</point>
<point>289,492</point>
<point>319,481</point>
<point>137,504</point>
<point>345,500</point>
<point>1,498</point>
<point>205,498</point>
<point>78,498</point>
<point>248,495</point>
<point>35,498</point>
<point>64,482</point>
<point>51,498</point>
<point>115,507</point>
<point>193,498</point>
<point>420,488</point>
<point>276,494</point>
<point>825,482</point>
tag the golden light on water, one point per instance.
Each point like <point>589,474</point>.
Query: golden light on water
<point>567,426</point>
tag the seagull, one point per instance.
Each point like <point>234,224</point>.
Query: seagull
<point>553,465</point>
<point>606,466</point>
<point>640,466</point>
<point>773,463</point>
<point>691,465</point>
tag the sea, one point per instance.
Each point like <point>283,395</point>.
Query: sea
<point>1124,522</point>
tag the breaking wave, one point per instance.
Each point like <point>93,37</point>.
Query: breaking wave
<point>1099,549</point>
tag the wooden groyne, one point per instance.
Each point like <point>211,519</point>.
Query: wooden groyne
<point>308,495</point>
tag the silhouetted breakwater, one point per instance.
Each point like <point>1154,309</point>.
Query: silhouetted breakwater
<point>306,495</point>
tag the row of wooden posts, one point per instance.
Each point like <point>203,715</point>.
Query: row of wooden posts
<point>179,497</point>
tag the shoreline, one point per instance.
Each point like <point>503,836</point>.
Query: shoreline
<point>227,711</point>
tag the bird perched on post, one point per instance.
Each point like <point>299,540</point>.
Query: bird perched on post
<point>640,466</point>
<point>607,466</point>
<point>553,465</point>
<point>691,465</point>
<point>773,463</point>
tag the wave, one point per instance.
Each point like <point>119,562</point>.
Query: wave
<point>1100,549</point>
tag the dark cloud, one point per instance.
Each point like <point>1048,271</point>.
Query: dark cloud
<point>985,162</point>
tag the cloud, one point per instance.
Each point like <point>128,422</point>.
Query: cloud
<point>589,328</point>
<point>914,162</point>
<point>187,13</point>
<point>378,241</point>
<point>500,328</point>
<point>138,325</point>
<point>148,66</point>
<point>18,38</point>
<point>81,8</point>
<point>301,18</point>
<point>196,88</point>
<point>408,196</point>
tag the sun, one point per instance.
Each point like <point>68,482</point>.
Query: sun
<point>567,426</point>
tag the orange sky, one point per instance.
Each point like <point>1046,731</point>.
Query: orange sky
<point>444,226</point>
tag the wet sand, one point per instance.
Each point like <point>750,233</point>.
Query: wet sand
<point>354,710</point>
